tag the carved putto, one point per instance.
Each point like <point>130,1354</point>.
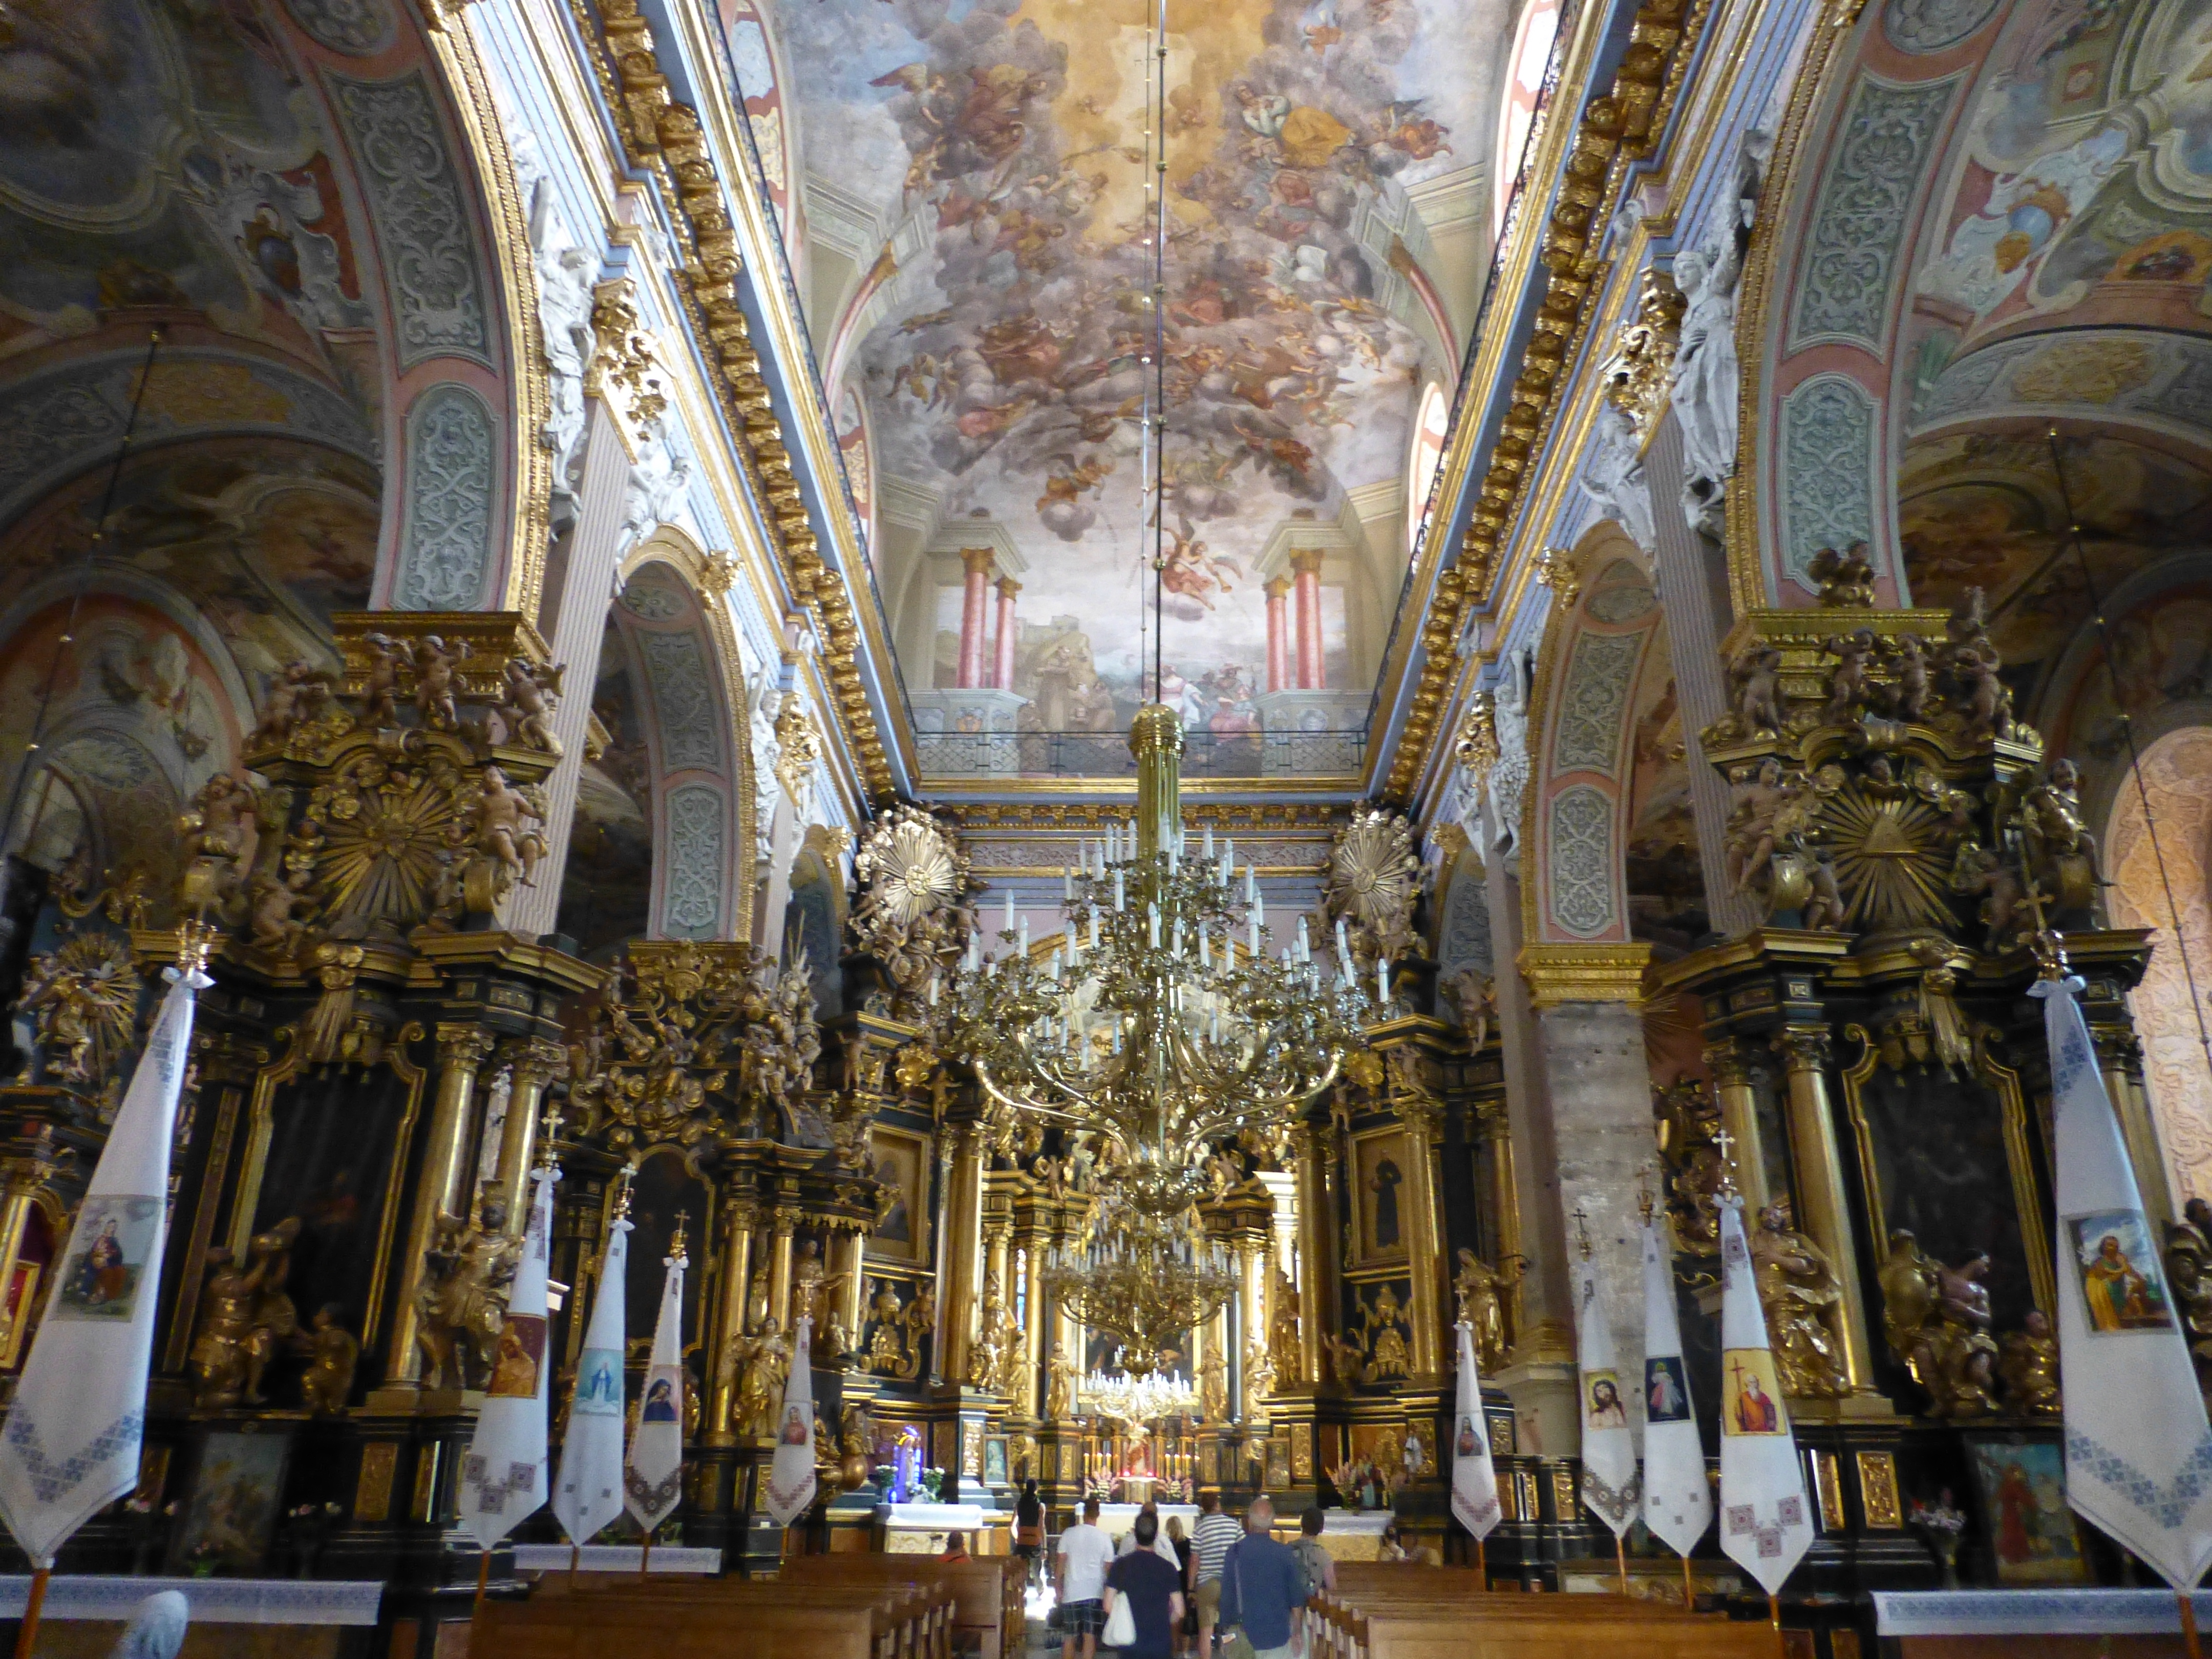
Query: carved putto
<point>1937,1322</point>
<point>531,696</point>
<point>463,1299</point>
<point>662,1038</point>
<point>1475,997</point>
<point>1845,578</point>
<point>913,914</point>
<point>1637,374</point>
<point>1373,880</point>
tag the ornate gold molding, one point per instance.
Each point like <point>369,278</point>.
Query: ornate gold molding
<point>1237,817</point>
<point>1584,972</point>
<point>665,139</point>
<point>1642,360</point>
<point>1616,129</point>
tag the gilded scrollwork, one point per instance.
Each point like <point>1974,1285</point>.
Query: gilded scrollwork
<point>1373,881</point>
<point>82,998</point>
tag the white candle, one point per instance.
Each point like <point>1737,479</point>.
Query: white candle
<point>1343,945</point>
<point>1067,885</point>
<point>1025,930</point>
<point>1382,980</point>
<point>1009,910</point>
<point>1117,892</point>
<point>1152,926</point>
<point>1205,951</point>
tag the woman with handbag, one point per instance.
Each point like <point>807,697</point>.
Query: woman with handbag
<point>1144,1598</point>
<point>1029,1527</point>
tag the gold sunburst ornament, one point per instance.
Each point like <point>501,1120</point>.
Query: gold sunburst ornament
<point>1373,878</point>
<point>1890,858</point>
<point>913,916</point>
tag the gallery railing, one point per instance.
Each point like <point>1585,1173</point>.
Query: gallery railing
<point>1106,754</point>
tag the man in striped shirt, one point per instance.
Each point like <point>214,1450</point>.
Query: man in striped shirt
<point>1209,1545</point>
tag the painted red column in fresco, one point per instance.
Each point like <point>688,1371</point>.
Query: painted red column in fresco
<point>1306,567</point>
<point>1278,628</point>
<point>973,603</point>
<point>1002,670</point>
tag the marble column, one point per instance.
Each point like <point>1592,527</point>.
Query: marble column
<point>462,1049</point>
<point>1423,1122</point>
<point>1305,568</point>
<point>1002,667</point>
<point>1823,1209</point>
<point>1592,1033</point>
<point>1540,1373</point>
<point>1734,1069</point>
<point>957,1289</point>
<point>1317,1249</point>
<point>739,1219</point>
<point>977,562</point>
<point>1683,564</point>
<point>595,551</point>
<point>1278,590</point>
<point>535,1064</point>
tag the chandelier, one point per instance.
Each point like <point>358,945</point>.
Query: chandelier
<point>1144,1278</point>
<point>1160,1023</point>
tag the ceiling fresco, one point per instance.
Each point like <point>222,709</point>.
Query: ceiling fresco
<point>1007,324</point>
<point>2080,200</point>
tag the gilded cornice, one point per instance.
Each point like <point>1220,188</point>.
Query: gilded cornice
<point>1584,972</point>
<point>1616,130</point>
<point>1234,818</point>
<point>664,138</point>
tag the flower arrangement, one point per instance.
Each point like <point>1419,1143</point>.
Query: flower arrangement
<point>1942,1527</point>
<point>1364,1485</point>
<point>932,1485</point>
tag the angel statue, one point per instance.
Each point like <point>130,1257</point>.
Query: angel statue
<point>530,694</point>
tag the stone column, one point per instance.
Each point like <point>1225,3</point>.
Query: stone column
<point>1305,567</point>
<point>1316,1247</point>
<point>1540,1374</point>
<point>1733,1067</point>
<point>976,561</point>
<point>1683,571</point>
<point>1504,1196</point>
<point>1823,1200</point>
<point>595,551</point>
<point>1278,590</point>
<point>1591,1031</point>
<point>1423,1122</point>
<point>1002,669</point>
<point>536,1064</point>
<point>462,1049</point>
<point>739,1219</point>
<point>963,1228</point>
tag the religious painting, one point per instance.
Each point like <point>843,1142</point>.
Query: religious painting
<point>519,1358</point>
<point>1751,1398</point>
<point>599,1383</point>
<point>1278,1464</point>
<point>1666,1390</point>
<point>899,1160</point>
<point>1603,1406</point>
<point>664,1194</point>
<point>2122,1285</point>
<point>1504,1437</point>
<point>2022,1492</point>
<point>333,1135</point>
<point>100,1275</point>
<point>1380,1226</point>
<point>994,1460</point>
<point>236,1494</point>
<point>1466,1436</point>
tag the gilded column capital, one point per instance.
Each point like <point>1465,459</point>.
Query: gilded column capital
<point>536,1061</point>
<point>978,561</point>
<point>1007,587</point>
<point>1733,1065</point>
<point>1276,587</point>
<point>1306,561</point>
<point>463,1046</point>
<point>2119,1046</point>
<point>1805,1048</point>
<point>1557,973</point>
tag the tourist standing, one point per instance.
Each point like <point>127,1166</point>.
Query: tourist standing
<point>1186,1626</point>
<point>1317,1563</point>
<point>1262,1587</point>
<point>1029,1527</point>
<point>1210,1544</point>
<point>1086,1552</point>
<point>1155,1593</point>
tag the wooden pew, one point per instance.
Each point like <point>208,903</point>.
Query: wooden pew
<point>1389,1611</point>
<point>718,1619</point>
<point>990,1605</point>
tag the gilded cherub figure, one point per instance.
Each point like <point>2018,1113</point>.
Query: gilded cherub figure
<point>436,667</point>
<point>529,698</point>
<point>1800,1293</point>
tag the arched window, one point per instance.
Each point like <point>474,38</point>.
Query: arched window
<point>2176,777</point>
<point>1421,469</point>
<point>1516,110</point>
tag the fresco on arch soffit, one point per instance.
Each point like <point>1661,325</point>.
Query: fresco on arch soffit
<point>1004,374</point>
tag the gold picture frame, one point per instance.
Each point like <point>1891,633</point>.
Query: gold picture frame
<point>900,1160</point>
<point>1380,1226</point>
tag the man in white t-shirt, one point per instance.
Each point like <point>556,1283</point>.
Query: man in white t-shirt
<point>1084,1555</point>
<point>1160,1545</point>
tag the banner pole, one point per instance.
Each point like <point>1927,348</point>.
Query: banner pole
<point>476,1611</point>
<point>2189,1623</point>
<point>1689,1587</point>
<point>27,1637</point>
<point>1621,1559</point>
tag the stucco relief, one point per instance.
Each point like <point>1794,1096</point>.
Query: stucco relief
<point>1581,864</point>
<point>444,546</point>
<point>1588,737</point>
<point>1827,469</point>
<point>692,905</point>
<point>684,697</point>
<point>358,28</point>
<point>421,214</point>
<point>1851,261</point>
